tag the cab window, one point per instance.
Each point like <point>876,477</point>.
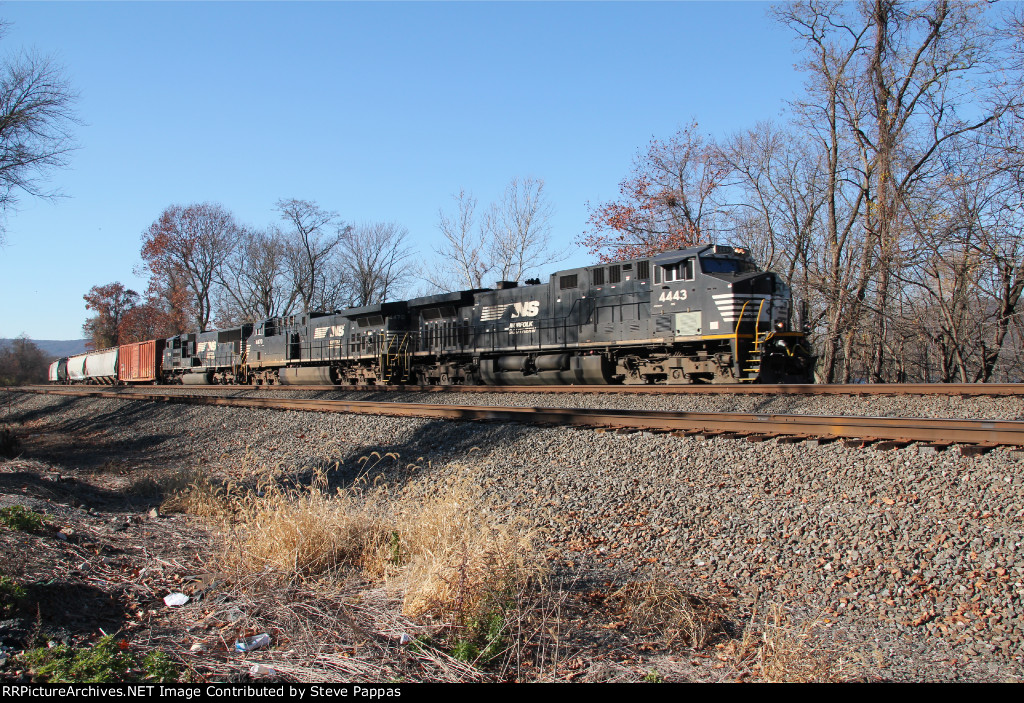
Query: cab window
<point>727,266</point>
<point>682,271</point>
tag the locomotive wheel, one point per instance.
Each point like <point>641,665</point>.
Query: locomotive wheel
<point>444,380</point>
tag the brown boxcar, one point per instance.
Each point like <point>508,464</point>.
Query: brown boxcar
<point>140,362</point>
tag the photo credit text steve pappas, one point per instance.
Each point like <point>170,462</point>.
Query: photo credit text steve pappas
<point>224,691</point>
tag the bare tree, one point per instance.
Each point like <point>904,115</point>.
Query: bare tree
<point>919,69</point>
<point>377,261</point>
<point>939,292</point>
<point>778,197</point>
<point>511,240</point>
<point>254,279</point>
<point>311,239</point>
<point>36,121</point>
<point>463,249</point>
<point>887,81</point>
<point>519,228</point>
<point>988,196</point>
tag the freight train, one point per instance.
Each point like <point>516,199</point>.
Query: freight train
<point>704,314</point>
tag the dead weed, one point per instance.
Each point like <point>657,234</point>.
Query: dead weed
<point>780,650</point>
<point>675,616</point>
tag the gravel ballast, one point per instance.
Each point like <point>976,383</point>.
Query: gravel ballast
<point>911,559</point>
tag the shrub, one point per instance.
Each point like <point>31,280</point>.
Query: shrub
<point>18,517</point>
<point>306,531</point>
<point>12,595</point>
<point>107,661</point>
<point>194,492</point>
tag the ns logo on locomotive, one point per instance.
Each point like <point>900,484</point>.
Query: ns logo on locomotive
<point>705,314</point>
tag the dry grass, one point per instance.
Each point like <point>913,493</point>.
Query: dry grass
<point>781,651</point>
<point>302,532</point>
<point>451,554</point>
<point>437,543</point>
<point>197,493</point>
<point>675,616</point>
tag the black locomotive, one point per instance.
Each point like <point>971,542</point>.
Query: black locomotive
<point>705,314</point>
<point>701,315</point>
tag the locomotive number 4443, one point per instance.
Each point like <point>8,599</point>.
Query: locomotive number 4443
<point>673,295</point>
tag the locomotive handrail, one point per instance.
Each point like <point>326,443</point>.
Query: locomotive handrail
<point>394,353</point>
<point>739,320</point>
<point>242,367</point>
<point>757,321</point>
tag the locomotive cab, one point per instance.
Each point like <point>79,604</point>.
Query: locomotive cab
<point>676,298</point>
<point>179,355</point>
<point>222,353</point>
<point>755,306</point>
<point>722,319</point>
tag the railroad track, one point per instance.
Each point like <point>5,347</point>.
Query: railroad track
<point>974,436</point>
<point>858,389</point>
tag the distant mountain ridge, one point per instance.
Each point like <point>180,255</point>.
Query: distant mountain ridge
<point>55,347</point>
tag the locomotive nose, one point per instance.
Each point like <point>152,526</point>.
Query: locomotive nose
<point>756,284</point>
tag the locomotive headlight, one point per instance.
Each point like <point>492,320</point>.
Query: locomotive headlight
<point>779,326</point>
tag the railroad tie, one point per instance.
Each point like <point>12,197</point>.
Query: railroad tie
<point>975,449</point>
<point>891,444</point>
<point>792,439</point>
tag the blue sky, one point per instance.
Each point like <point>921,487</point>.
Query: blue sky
<point>379,111</point>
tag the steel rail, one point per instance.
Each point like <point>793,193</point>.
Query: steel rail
<point>987,432</point>
<point>860,389</point>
